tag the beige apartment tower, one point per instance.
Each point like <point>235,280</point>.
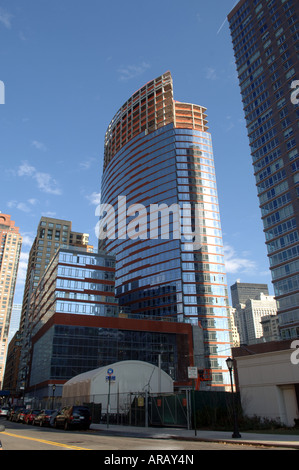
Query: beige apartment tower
<point>51,234</point>
<point>10,249</point>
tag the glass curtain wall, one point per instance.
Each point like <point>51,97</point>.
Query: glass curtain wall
<point>158,273</point>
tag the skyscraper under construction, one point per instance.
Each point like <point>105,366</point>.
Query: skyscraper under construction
<point>158,153</point>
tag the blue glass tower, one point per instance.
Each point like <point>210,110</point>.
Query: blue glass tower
<point>159,152</point>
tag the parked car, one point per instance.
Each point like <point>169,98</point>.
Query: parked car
<point>29,417</point>
<point>14,410</point>
<point>73,417</point>
<point>4,410</point>
<point>43,418</point>
<point>19,416</point>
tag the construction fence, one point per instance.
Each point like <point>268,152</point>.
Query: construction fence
<point>186,409</point>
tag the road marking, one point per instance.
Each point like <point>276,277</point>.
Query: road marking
<point>57,444</point>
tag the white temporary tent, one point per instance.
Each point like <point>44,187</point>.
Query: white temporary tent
<point>118,381</point>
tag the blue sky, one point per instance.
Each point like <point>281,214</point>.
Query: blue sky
<point>68,65</point>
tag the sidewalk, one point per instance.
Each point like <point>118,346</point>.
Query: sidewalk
<point>271,440</point>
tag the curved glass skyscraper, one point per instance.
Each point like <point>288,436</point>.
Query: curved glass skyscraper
<point>158,196</point>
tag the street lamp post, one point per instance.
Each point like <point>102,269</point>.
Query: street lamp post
<point>236,433</point>
<point>53,392</point>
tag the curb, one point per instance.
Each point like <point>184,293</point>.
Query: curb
<point>161,436</point>
<point>247,443</point>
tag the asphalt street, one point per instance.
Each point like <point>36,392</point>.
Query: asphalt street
<point>19,436</point>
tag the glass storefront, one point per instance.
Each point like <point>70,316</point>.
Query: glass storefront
<point>77,349</point>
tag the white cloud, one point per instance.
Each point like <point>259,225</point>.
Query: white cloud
<point>231,124</point>
<point>5,18</point>
<point>49,214</point>
<point>39,145</point>
<point>235,263</point>
<point>28,239</point>
<point>131,71</point>
<point>210,73</point>
<point>94,198</point>
<point>21,276</point>
<point>32,201</point>
<point>23,206</point>
<point>22,36</point>
<point>23,266</point>
<point>86,164</point>
<point>26,170</point>
<point>45,182</point>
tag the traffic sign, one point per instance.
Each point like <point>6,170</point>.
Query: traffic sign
<point>192,372</point>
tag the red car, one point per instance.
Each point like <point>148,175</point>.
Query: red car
<point>29,418</point>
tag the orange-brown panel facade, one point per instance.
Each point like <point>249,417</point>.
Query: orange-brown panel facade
<point>151,108</point>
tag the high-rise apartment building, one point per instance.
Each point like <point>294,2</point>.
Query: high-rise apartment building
<point>51,234</point>
<point>10,250</point>
<point>242,291</point>
<point>234,328</point>
<point>265,40</point>
<point>254,311</point>
<point>10,379</point>
<point>270,326</point>
<point>76,325</point>
<point>158,157</point>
